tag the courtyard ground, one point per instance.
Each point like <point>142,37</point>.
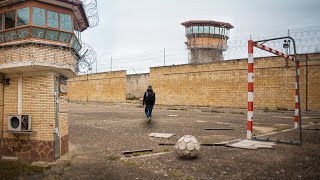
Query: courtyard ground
<point>100,132</point>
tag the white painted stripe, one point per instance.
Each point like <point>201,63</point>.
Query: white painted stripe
<point>297,99</point>
<point>296,125</point>
<point>274,51</point>
<point>250,96</point>
<point>250,116</point>
<point>296,86</point>
<point>249,135</point>
<point>298,72</point>
<point>250,58</point>
<point>250,77</point>
<point>296,112</point>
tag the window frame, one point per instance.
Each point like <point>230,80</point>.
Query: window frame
<point>47,18</point>
<point>15,19</point>
<point>72,25</point>
<point>29,23</point>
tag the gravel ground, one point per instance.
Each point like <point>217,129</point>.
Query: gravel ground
<point>100,132</point>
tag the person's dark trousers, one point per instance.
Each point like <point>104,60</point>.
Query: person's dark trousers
<point>148,110</point>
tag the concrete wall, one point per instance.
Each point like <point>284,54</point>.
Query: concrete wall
<point>224,84</point>
<point>101,87</point>
<point>136,85</point>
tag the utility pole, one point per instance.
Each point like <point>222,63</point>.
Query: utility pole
<point>164,56</point>
<point>111,64</point>
<point>97,66</point>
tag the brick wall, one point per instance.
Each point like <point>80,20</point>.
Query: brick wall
<point>136,85</point>
<point>101,87</point>
<point>38,54</point>
<point>37,101</point>
<point>225,83</point>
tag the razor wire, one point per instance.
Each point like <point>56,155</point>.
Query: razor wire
<point>307,41</point>
<point>29,48</point>
<point>91,9</point>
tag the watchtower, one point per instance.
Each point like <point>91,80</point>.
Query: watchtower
<point>40,48</point>
<point>206,40</point>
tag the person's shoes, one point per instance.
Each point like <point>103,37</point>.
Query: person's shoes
<point>149,120</point>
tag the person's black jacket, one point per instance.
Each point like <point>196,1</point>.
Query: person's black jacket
<point>149,97</point>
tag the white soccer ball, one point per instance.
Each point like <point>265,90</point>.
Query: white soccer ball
<point>187,146</point>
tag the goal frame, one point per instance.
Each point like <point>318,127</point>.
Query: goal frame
<point>260,45</point>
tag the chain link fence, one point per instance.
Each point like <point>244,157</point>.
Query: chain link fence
<point>307,41</point>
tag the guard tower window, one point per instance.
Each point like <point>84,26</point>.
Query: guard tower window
<point>200,29</point>
<point>38,32</point>
<point>38,16</point>
<point>211,30</point>
<point>64,37</point>
<point>10,19</point>
<point>53,19</point>
<point>52,35</point>
<point>206,29</point>
<point>65,22</point>
<point>23,16</point>
<point>76,31</point>
<point>195,29</point>
<point>1,21</point>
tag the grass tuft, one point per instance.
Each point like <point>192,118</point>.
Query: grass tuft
<point>14,169</point>
<point>176,173</point>
<point>113,158</point>
<point>130,163</point>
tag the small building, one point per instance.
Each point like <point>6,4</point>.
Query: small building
<point>40,41</point>
<point>206,40</point>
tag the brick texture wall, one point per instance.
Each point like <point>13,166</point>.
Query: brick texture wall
<point>37,101</point>
<point>101,87</point>
<point>38,54</point>
<point>224,84</point>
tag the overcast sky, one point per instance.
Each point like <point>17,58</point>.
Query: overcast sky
<point>133,27</point>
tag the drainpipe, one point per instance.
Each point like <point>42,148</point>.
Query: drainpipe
<point>20,94</point>
<point>2,133</point>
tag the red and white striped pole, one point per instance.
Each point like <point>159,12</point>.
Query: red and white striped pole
<point>296,111</point>
<point>250,90</point>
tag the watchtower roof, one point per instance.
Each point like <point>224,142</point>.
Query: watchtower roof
<point>207,23</point>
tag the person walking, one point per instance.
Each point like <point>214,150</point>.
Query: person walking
<point>149,100</point>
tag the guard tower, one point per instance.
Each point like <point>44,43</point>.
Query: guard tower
<point>40,48</point>
<point>206,40</point>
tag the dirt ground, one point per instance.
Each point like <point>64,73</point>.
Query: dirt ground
<point>100,132</point>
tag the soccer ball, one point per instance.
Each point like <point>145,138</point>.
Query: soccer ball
<point>187,146</point>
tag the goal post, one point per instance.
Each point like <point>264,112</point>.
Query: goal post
<point>260,44</point>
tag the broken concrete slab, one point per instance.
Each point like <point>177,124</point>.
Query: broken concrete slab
<point>201,121</point>
<point>173,115</point>
<point>161,135</point>
<point>251,144</point>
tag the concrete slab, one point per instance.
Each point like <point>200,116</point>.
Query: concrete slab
<point>250,144</point>
<point>161,135</point>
